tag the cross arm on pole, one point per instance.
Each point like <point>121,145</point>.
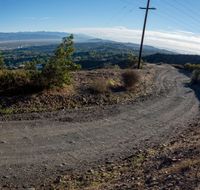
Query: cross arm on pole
<point>151,8</point>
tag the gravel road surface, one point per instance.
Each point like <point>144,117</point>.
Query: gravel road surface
<point>35,147</point>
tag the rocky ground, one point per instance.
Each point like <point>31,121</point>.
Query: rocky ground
<point>175,165</point>
<point>80,94</point>
<point>151,143</point>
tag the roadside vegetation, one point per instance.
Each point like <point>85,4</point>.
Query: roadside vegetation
<point>55,73</point>
<point>195,69</point>
<point>195,77</point>
<point>58,82</point>
<point>130,79</point>
<point>89,55</point>
<point>100,86</point>
<point>42,70</point>
<point>1,61</point>
<point>192,67</point>
<point>88,88</point>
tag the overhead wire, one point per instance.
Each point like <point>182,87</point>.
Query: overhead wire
<point>118,13</point>
<point>178,20</point>
<point>180,12</point>
<point>188,8</point>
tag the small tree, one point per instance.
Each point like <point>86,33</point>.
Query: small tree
<point>30,65</point>
<point>56,71</point>
<point>1,61</point>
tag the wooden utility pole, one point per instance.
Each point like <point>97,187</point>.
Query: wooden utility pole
<point>147,8</point>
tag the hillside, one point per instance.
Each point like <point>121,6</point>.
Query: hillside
<point>144,143</point>
<point>31,36</point>
<point>173,58</point>
<point>28,39</point>
<point>89,55</point>
<point>90,52</point>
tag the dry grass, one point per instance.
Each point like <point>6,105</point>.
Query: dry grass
<point>89,88</point>
<point>100,86</point>
<point>13,79</point>
<point>181,166</point>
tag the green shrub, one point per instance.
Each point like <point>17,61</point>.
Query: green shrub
<point>30,65</point>
<point>6,111</point>
<point>132,61</point>
<point>1,61</point>
<point>54,75</point>
<point>20,81</point>
<point>192,67</point>
<point>13,79</point>
<point>195,77</point>
<point>130,79</point>
<point>56,72</point>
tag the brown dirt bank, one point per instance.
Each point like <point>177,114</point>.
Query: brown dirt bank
<point>41,148</point>
<point>175,165</point>
<point>79,95</point>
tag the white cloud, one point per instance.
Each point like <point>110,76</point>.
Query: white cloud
<point>180,41</point>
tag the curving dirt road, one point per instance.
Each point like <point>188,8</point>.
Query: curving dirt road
<point>52,143</point>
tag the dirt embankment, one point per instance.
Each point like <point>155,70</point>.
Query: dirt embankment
<point>110,147</point>
<point>175,165</point>
<point>79,94</point>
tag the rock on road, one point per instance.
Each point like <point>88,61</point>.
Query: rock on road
<point>34,150</point>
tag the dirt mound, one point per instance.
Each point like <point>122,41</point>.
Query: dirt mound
<point>123,140</point>
<point>79,95</point>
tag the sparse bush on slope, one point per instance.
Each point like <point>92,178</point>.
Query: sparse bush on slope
<point>195,77</point>
<point>18,81</point>
<point>192,67</point>
<point>1,61</point>
<point>130,79</point>
<point>57,71</point>
<point>13,79</point>
<point>132,61</point>
<point>99,86</point>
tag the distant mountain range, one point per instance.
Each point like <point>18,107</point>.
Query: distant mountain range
<point>27,39</point>
<point>21,36</point>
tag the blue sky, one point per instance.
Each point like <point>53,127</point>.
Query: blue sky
<point>96,17</point>
<point>57,15</point>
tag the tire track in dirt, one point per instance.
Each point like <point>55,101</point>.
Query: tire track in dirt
<point>32,151</point>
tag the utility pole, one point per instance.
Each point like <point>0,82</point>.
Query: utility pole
<point>147,8</point>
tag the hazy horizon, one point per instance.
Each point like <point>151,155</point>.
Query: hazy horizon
<point>174,41</point>
<point>173,26</point>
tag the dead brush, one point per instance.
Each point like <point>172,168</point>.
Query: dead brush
<point>195,79</point>
<point>100,86</point>
<point>130,79</point>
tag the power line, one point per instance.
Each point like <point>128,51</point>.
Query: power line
<point>176,21</point>
<point>122,11</point>
<point>179,20</point>
<point>196,12</point>
<point>179,11</point>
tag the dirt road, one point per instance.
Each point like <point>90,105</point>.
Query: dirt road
<point>40,146</point>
